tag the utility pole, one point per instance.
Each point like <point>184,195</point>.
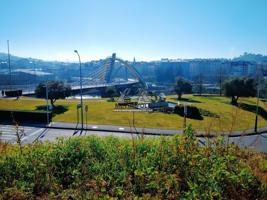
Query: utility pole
<point>220,80</point>
<point>185,114</point>
<point>258,96</point>
<point>8,53</point>
<point>47,108</point>
<point>257,109</point>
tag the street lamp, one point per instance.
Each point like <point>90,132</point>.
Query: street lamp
<point>47,109</point>
<point>258,97</point>
<point>45,86</point>
<point>10,80</point>
<point>81,89</point>
<point>257,109</point>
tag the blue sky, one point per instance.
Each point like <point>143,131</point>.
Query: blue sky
<point>144,29</point>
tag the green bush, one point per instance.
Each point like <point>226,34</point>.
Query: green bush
<point>24,116</point>
<point>152,168</point>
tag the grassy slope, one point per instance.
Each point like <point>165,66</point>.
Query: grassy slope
<point>101,112</point>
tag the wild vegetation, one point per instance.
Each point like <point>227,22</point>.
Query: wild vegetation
<point>177,167</point>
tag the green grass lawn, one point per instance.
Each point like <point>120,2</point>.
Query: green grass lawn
<point>101,112</point>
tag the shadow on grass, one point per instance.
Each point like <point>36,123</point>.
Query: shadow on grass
<point>208,113</point>
<point>58,109</point>
<point>186,100</point>
<point>192,112</point>
<point>252,108</point>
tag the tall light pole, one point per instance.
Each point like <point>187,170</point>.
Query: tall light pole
<point>258,96</point>
<point>47,109</point>
<point>9,64</point>
<point>257,109</point>
<point>81,87</point>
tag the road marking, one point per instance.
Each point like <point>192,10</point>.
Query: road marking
<point>35,132</point>
<point>7,128</point>
<point>7,137</point>
<point>6,133</point>
<point>10,128</point>
<point>121,128</point>
<point>94,127</point>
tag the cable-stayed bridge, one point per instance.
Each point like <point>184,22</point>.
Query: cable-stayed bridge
<point>112,72</point>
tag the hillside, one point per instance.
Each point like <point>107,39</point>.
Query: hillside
<point>161,71</point>
<point>251,57</point>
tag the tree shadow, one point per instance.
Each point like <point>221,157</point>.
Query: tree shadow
<point>208,113</point>
<point>252,108</point>
<point>186,100</point>
<point>192,112</point>
<point>58,109</point>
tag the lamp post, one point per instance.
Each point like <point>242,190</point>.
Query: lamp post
<point>185,114</point>
<point>9,64</point>
<point>257,110</point>
<point>47,109</point>
<point>81,89</point>
<point>258,96</point>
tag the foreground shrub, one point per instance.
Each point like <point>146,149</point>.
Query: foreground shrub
<point>152,168</point>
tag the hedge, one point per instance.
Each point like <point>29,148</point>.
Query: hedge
<point>13,93</point>
<point>192,112</point>
<point>24,116</point>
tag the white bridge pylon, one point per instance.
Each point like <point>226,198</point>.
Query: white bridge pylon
<point>113,71</point>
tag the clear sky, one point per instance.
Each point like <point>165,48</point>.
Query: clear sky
<point>144,29</point>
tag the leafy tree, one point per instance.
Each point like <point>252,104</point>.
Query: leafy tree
<point>182,86</point>
<point>221,77</point>
<point>198,80</point>
<point>111,92</point>
<point>239,87</point>
<point>56,90</point>
<point>152,94</point>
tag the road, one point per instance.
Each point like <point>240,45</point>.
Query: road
<point>33,134</point>
<point>29,133</point>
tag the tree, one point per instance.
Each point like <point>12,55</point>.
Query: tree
<point>199,83</point>
<point>182,86</point>
<point>239,87</point>
<point>221,77</point>
<point>111,92</point>
<point>56,90</point>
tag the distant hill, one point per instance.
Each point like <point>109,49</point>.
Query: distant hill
<point>161,71</point>
<point>3,56</point>
<point>258,58</point>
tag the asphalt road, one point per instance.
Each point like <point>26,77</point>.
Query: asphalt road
<point>8,133</point>
<point>33,134</point>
